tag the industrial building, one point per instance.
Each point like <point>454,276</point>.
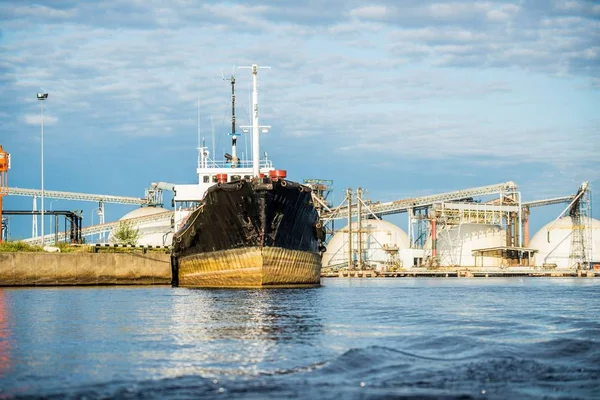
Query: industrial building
<point>462,229</point>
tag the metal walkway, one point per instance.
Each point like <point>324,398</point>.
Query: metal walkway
<point>400,206</point>
<point>99,198</point>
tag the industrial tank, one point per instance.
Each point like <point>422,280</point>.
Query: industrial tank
<point>455,244</point>
<point>151,233</point>
<point>381,240</point>
<point>557,243</point>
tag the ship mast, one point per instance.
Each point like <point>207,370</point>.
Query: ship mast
<point>234,159</point>
<point>255,126</point>
<point>255,137</point>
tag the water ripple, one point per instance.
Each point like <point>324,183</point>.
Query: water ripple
<point>379,338</point>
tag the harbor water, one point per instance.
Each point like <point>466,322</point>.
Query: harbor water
<point>349,338</point>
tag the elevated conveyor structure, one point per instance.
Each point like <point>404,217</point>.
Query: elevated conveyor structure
<point>99,198</point>
<point>527,205</point>
<point>401,206</point>
<point>548,202</point>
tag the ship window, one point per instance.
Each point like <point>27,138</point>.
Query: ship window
<point>235,178</point>
<point>214,178</point>
<point>206,178</point>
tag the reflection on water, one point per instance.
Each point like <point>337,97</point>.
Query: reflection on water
<point>492,338</point>
<point>242,331</point>
<point>5,337</point>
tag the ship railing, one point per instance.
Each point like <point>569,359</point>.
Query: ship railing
<point>239,164</point>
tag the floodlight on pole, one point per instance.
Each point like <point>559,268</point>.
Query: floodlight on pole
<point>42,97</point>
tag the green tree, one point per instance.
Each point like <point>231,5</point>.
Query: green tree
<point>126,233</point>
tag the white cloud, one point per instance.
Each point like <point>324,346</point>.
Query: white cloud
<point>370,12</point>
<point>358,73</point>
<point>36,119</point>
<point>40,11</point>
<point>460,10</point>
<point>497,16</point>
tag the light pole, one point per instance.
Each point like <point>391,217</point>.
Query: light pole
<point>41,97</point>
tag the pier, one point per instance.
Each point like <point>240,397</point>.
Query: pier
<point>84,268</point>
<point>464,273</point>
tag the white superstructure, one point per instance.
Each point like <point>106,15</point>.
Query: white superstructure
<point>210,171</point>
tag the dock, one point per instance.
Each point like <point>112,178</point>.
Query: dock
<point>84,268</point>
<point>463,273</point>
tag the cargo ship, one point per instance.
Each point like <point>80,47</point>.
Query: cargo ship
<point>252,226</point>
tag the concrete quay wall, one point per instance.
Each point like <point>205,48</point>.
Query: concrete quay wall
<point>54,269</point>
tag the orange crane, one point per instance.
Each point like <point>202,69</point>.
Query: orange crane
<point>4,166</point>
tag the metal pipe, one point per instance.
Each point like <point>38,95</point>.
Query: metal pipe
<point>508,229</point>
<point>410,233</point>
<point>349,198</point>
<point>525,217</point>
<point>433,238</point>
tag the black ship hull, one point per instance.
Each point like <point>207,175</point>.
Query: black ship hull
<point>247,234</point>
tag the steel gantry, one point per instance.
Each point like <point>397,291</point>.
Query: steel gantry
<point>153,197</point>
<point>102,228</point>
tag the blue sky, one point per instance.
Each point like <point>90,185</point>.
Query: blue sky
<point>401,98</point>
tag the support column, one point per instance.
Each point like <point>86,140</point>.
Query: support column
<point>433,238</point>
<point>349,198</point>
<point>526,226</point>
<point>410,231</point>
<point>509,229</point>
<point>1,224</point>
<point>102,236</point>
<point>515,218</point>
<point>55,229</point>
<point>359,231</point>
<point>34,224</point>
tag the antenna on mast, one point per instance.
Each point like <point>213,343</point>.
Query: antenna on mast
<point>234,157</point>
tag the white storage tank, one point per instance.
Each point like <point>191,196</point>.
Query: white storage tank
<point>455,244</point>
<point>382,242</point>
<point>151,233</point>
<point>554,242</point>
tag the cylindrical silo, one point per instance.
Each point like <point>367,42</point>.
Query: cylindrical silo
<point>381,242</point>
<point>455,244</point>
<point>151,233</point>
<point>560,245</point>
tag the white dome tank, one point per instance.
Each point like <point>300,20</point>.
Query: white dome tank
<point>557,250</point>
<point>455,244</point>
<point>381,242</point>
<point>152,233</point>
